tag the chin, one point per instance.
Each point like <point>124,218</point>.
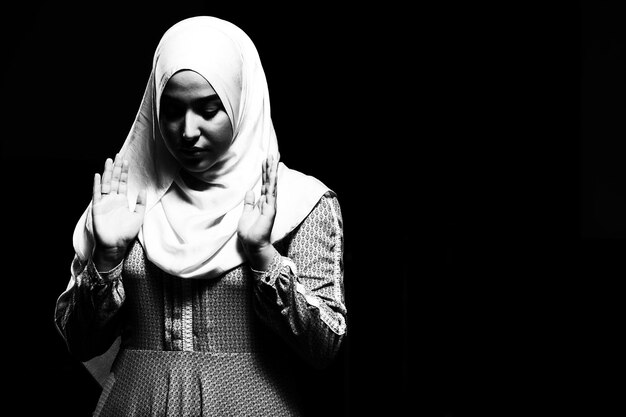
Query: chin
<point>196,167</point>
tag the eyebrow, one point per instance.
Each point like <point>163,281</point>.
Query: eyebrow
<point>200,100</point>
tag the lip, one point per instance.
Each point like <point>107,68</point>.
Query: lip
<point>193,151</point>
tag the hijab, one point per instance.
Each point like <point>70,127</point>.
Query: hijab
<point>188,233</point>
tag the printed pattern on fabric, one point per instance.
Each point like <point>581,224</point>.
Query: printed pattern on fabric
<point>307,307</point>
<point>191,384</point>
<point>232,346</point>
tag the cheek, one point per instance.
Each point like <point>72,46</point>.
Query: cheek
<point>222,132</point>
<point>168,131</point>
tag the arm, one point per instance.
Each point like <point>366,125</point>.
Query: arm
<point>88,313</point>
<point>300,295</point>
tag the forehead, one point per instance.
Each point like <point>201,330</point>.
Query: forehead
<point>188,84</point>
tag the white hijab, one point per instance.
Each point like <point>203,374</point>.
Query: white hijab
<point>189,233</point>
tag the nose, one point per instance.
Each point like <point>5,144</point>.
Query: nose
<point>191,129</point>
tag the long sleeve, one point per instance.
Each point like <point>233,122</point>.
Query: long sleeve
<point>87,313</point>
<point>301,294</point>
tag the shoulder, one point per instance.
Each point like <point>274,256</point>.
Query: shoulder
<point>301,199</point>
<point>325,215</point>
<point>328,204</point>
<point>290,178</point>
<point>297,187</point>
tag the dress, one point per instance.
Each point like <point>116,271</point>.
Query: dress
<point>231,346</point>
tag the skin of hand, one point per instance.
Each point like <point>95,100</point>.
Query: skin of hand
<point>197,132</point>
<point>257,219</point>
<point>114,225</point>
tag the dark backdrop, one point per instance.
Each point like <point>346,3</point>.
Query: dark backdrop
<point>475,150</point>
<point>73,78</point>
<point>600,311</point>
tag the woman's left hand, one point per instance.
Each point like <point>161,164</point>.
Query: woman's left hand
<point>256,222</point>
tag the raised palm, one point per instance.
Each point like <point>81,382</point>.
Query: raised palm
<point>257,219</point>
<point>114,224</point>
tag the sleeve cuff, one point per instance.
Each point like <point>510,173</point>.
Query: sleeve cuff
<point>269,276</point>
<point>100,278</point>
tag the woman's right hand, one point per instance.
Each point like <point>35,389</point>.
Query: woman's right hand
<point>114,225</point>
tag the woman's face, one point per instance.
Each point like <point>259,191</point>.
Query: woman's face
<point>194,124</point>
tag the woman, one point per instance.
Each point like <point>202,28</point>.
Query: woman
<point>210,274</point>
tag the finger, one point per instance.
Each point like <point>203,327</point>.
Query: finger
<point>140,206</point>
<point>273,176</point>
<point>106,176</point>
<point>248,201</point>
<point>97,195</point>
<point>266,182</point>
<point>123,185</point>
<point>117,172</point>
<point>270,185</point>
<point>264,172</point>
<point>263,180</point>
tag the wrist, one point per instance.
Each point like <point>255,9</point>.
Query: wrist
<point>105,259</point>
<point>261,258</point>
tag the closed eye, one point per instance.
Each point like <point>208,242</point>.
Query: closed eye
<point>173,108</point>
<point>210,111</point>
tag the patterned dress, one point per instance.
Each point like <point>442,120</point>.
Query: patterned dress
<point>232,346</point>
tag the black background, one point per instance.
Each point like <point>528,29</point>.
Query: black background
<point>475,150</point>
